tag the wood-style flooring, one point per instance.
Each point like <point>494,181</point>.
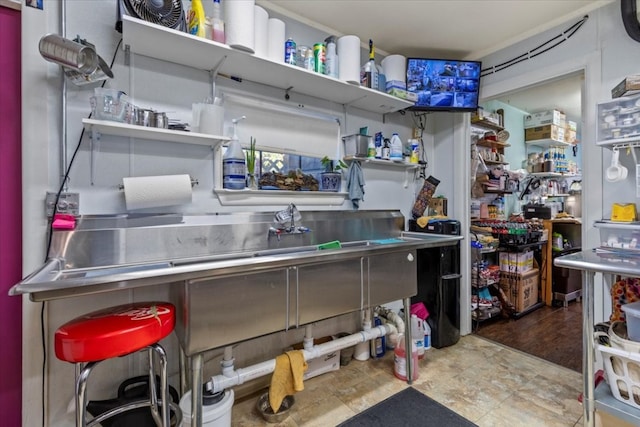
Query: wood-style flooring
<point>551,333</point>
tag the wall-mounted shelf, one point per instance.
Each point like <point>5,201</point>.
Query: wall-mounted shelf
<point>248,197</point>
<point>486,124</point>
<point>407,167</point>
<point>175,46</point>
<point>495,162</point>
<point>384,163</point>
<point>492,144</point>
<point>620,143</point>
<point>547,143</point>
<point>157,134</point>
<point>552,175</point>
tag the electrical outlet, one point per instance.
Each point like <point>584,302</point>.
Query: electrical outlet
<point>68,203</point>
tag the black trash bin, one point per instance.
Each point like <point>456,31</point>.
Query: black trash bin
<point>439,285</point>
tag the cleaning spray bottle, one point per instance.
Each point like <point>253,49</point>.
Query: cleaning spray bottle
<point>233,162</point>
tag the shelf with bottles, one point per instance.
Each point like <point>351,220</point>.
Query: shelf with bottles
<point>167,44</point>
<point>382,162</point>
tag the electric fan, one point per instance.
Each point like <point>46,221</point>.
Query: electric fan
<point>168,13</point>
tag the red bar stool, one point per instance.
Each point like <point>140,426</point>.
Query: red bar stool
<point>114,332</point>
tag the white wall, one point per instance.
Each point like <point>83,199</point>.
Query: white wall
<point>168,87</point>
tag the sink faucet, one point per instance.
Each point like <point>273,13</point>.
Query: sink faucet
<point>286,222</point>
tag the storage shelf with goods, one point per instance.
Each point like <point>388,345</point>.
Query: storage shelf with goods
<point>175,46</point>
<point>617,121</point>
<point>383,163</point>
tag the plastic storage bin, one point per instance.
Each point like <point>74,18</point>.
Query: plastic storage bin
<point>619,236</point>
<point>632,314</point>
<point>618,120</point>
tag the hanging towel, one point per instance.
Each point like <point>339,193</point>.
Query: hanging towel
<point>355,184</point>
<point>287,377</point>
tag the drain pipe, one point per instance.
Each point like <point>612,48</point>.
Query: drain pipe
<point>239,376</point>
<point>394,318</point>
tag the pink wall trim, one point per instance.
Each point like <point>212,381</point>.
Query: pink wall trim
<point>10,219</point>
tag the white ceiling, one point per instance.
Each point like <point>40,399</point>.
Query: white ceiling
<point>452,29</point>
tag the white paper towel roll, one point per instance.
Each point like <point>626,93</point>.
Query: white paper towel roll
<point>239,24</point>
<point>349,59</point>
<point>275,43</point>
<point>261,32</point>
<point>395,67</point>
<point>154,191</point>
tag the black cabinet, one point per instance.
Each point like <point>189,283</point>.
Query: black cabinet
<point>439,288</point>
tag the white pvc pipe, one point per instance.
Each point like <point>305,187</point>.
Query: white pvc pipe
<point>242,375</point>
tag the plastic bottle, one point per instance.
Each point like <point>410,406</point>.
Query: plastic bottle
<point>233,162</point>
<point>396,147</point>
<point>386,149</point>
<point>371,149</point>
<point>378,345</point>
<point>369,71</point>
<point>196,23</point>
<point>427,335</point>
<point>217,23</point>
<point>400,360</point>
<point>417,334</point>
<point>330,59</point>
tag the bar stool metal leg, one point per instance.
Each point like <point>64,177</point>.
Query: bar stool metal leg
<point>81,392</point>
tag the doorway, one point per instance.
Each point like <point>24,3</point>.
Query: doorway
<point>553,329</point>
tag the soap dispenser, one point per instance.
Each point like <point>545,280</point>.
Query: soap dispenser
<point>233,162</point>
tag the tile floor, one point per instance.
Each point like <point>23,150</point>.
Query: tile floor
<point>485,382</point>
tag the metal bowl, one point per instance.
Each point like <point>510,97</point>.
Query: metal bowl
<point>264,408</point>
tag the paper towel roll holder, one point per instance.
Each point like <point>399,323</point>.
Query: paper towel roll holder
<point>194,182</point>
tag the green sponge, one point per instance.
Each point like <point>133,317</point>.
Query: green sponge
<point>330,245</point>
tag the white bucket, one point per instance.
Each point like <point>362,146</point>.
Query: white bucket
<point>215,415</point>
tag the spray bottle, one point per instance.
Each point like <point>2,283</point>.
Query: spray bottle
<point>233,162</point>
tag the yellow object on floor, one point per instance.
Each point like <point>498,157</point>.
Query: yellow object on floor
<point>287,377</point>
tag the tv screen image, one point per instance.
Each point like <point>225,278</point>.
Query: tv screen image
<point>441,84</point>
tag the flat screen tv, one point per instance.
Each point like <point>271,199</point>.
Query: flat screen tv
<point>444,84</point>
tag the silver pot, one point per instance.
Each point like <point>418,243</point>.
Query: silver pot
<point>144,117</point>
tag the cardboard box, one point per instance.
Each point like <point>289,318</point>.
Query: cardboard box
<point>521,289</point>
<point>545,132</point>
<point>569,136</point>
<point>516,262</point>
<point>323,364</point>
<point>544,118</point>
<point>403,94</point>
<point>438,206</point>
<point>571,125</point>
<point>630,83</point>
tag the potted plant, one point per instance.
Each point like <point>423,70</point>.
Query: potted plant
<point>331,178</point>
<point>252,181</point>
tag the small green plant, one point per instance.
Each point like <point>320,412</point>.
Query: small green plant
<point>330,166</point>
<point>251,157</point>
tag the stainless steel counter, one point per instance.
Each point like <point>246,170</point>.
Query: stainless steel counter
<point>215,264</point>
<point>590,262</point>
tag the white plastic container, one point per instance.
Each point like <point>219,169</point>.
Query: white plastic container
<point>396,147</point>
<point>214,415</point>
<point>417,334</point>
<point>632,314</point>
